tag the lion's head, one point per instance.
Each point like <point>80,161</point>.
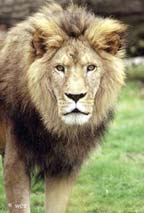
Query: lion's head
<point>76,72</point>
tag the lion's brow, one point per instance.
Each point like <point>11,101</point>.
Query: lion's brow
<point>74,56</point>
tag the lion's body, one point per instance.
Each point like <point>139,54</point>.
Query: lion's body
<point>34,99</point>
<point>51,153</point>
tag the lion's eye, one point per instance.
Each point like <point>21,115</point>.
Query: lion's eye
<point>91,67</point>
<point>60,68</point>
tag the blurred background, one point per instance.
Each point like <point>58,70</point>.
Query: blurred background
<point>112,180</point>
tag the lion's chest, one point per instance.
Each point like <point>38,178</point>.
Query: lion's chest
<point>46,151</point>
<point>41,149</point>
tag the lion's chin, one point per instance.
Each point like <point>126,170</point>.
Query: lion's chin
<point>76,119</point>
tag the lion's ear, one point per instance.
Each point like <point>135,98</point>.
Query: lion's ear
<point>39,43</point>
<point>107,34</point>
<point>47,35</point>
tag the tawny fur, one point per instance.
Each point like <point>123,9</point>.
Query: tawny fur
<point>27,91</point>
<point>48,31</point>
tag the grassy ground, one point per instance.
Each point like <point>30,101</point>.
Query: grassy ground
<point>112,181</point>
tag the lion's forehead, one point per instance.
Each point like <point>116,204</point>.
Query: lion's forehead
<point>76,52</point>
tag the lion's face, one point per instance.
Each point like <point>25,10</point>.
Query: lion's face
<point>76,71</point>
<point>67,82</point>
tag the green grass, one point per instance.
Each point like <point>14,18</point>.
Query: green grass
<point>112,180</point>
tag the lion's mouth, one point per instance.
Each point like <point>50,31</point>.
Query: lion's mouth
<point>76,111</point>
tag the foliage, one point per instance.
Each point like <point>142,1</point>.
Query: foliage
<point>135,73</point>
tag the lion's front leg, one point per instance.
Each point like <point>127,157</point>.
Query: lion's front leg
<point>57,193</point>
<point>17,184</point>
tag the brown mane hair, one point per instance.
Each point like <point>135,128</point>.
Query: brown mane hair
<point>47,30</point>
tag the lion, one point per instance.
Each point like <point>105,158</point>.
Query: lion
<point>61,72</point>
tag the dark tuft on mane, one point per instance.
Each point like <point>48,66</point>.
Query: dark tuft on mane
<point>73,34</point>
<point>75,23</point>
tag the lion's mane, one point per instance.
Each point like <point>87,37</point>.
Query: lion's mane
<point>56,149</point>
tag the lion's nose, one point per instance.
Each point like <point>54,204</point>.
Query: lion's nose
<point>75,97</point>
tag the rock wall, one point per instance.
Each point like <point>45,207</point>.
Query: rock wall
<point>13,11</point>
